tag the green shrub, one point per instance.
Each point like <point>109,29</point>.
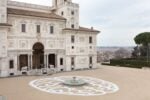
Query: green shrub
<point>131,62</point>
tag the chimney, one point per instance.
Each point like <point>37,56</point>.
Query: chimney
<point>92,28</point>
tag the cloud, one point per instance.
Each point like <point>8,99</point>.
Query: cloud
<point>120,21</point>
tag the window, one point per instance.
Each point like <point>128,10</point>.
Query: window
<point>72,26</point>
<point>72,12</point>
<point>11,64</point>
<point>72,39</point>
<point>61,61</point>
<point>62,13</point>
<point>38,28</point>
<point>72,61</point>
<point>51,29</point>
<point>90,40</point>
<point>72,68</point>
<point>72,47</point>
<point>11,74</point>
<point>62,70</point>
<point>90,47</point>
<point>90,60</point>
<point>23,27</point>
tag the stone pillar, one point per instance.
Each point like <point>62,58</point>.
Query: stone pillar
<point>4,70</point>
<point>28,61</point>
<point>18,65</point>
<point>47,61</point>
<point>31,64</point>
<point>56,61</point>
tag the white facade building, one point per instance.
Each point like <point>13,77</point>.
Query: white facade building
<point>37,37</point>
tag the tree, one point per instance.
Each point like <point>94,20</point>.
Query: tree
<point>143,39</point>
<point>136,52</point>
<point>139,51</point>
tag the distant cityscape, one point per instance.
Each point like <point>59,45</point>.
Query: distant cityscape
<point>114,48</point>
<point>107,53</point>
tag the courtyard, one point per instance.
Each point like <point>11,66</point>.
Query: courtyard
<point>134,84</point>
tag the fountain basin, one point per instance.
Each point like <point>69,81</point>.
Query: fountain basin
<point>74,82</point>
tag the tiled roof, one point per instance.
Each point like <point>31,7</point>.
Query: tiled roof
<point>33,13</point>
<point>82,29</point>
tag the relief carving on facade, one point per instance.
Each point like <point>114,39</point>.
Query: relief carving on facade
<point>81,39</point>
<point>23,44</point>
<point>82,50</point>
<point>3,51</point>
<point>51,44</point>
<point>2,4</point>
<point>61,44</point>
<point>11,44</point>
<point>82,60</point>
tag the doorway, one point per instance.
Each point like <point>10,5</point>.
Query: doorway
<point>38,56</point>
<point>23,61</point>
<point>51,60</point>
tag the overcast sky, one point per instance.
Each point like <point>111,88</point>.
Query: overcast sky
<point>118,20</point>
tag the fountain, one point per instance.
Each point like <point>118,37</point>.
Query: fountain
<point>74,82</point>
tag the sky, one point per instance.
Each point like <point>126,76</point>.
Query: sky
<point>118,20</point>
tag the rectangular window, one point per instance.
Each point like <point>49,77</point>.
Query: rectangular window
<point>72,39</point>
<point>38,29</point>
<point>72,26</point>
<point>61,61</point>
<point>72,12</point>
<point>90,60</point>
<point>51,29</point>
<point>72,47</point>
<point>11,64</point>
<point>62,13</point>
<point>23,27</point>
<point>90,40</point>
<point>72,61</point>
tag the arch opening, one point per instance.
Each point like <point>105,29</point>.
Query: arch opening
<point>38,56</point>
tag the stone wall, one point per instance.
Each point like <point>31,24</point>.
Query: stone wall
<point>81,50</point>
<point>14,42</point>
<point>3,11</point>
<point>3,42</point>
<point>18,40</point>
<point>65,9</point>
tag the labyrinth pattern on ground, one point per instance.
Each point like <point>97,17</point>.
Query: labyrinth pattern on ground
<point>93,88</point>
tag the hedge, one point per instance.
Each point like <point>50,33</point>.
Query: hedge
<point>134,63</point>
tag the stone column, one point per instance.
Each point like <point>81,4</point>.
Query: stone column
<point>31,65</point>
<point>47,61</point>
<point>18,65</point>
<point>56,61</point>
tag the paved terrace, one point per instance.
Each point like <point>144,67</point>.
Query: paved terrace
<point>134,84</point>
